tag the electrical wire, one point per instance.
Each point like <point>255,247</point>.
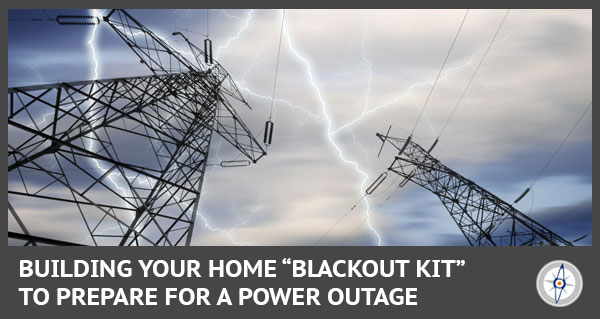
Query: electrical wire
<point>506,44</point>
<point>48,18</point>
<point>474,74</point>
<point>356,204</point>
<point>277,65</point>
<point>431,92</point>
<point>339,220</point>
<point>532,202</point>
<point>440,72</point>
<point>47,15</point>
<point>421,113</point>
<point>372,213</point>
<point>561,145</point>
<point>191,31</point>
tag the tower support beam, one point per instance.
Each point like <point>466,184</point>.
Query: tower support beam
<point>483,218</point>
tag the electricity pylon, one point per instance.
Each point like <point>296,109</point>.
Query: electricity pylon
<point>124,157</point>
<point>483,218</point>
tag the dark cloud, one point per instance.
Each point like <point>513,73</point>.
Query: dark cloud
<point>534,84</point>
<point>570,222</point>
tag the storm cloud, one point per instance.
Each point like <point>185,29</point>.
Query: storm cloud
<point>345,75</point>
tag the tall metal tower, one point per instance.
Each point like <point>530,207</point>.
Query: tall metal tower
<point>122,158</point>
<point>483,218</point>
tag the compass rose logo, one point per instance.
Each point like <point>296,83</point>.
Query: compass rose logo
<point>559,283</point>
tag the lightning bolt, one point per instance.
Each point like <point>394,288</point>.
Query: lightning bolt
<point>367,110</point>
<point>237,36</point>
<point>95,76</point>
<point>226,13</point>
<point>244,88</point>
<point>408,92</point>
<point>41,80</point>
<point>203,218</point>
<point>33,68</point>
<point>329,127</point>
<point>240,222</point>
<point>324,116</point>
<point>258,206</point>
<point>95,71</point>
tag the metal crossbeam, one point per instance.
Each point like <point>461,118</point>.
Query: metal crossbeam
<point>125,156</point>
<point>483,218</point>
<point>34,240</point>
<point>81,153</point>
<point>160,58</point>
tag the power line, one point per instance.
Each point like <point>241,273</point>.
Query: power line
<point>277,65</point>
<point>474,74</point>
<point>433,87</point>
<point>268,136</point>
<point>47,18</point>
<point>440,72</point>
<point>355,205</point>
<point>191,31</point>
<point>425,104</point>
<point>507,43</point>
<point>473,208</point>
<point>338,221</point>
<point>31,19</point>
<point>561,145</point>
<point>47,15</point>
<point>174,196</point>
<point>372,213</point>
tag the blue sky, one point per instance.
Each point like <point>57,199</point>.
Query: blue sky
<point>345,75</point>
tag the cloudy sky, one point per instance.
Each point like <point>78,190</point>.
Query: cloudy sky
<point>345,75</point>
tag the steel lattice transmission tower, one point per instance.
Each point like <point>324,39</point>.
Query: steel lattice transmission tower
<point>483,218</point>
<point>125,157</point>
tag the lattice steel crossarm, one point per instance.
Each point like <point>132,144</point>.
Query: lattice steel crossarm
<point>161,58</point>
<point>229,125</point>
<point>127,155</point>
<point>483,218</point>
<point>152,50</point>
